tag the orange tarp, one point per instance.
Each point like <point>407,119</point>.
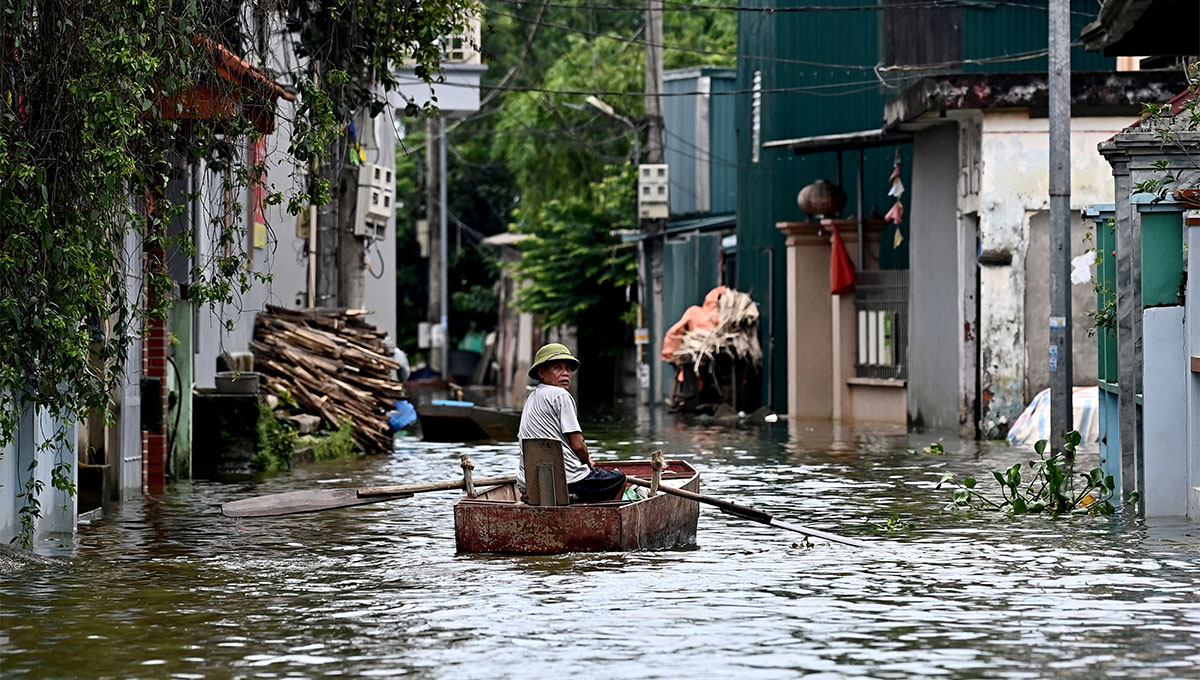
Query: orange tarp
<point>703,318</point>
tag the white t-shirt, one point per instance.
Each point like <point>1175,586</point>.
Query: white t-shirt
<point>549,413</point>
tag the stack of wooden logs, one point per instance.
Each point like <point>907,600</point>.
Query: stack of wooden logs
<point>334,364</point>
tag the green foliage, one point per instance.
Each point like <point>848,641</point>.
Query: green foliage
<point>478,299</point>
<point>338,445</point>
<point>525,149</point>
<point>90,134</point>
<point>482,209</point>
<point>580,143</point>
<point>570,163</point>
<point>1166,125</point>
<point>572,262</point>
<point>1104,317</point>
<point>893,524</point>
<point>1050,487</point>
<point>276,441</point>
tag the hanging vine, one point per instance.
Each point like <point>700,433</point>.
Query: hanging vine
<point>91,93</point>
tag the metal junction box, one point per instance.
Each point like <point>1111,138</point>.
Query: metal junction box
<point>654,191</point>
<point>376,201</point>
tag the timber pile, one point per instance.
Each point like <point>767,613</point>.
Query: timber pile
<point>334,364</point>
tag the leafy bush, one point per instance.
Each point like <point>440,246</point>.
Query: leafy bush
<point>1050,487</point>
<point>338,445</point>
<point>276,441</point>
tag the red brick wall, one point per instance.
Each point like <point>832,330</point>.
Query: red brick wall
<point>154,444</point>
<point>154,363</point>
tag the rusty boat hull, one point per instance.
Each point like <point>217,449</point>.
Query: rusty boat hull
<point>495,521</point>
<point>466,423</point>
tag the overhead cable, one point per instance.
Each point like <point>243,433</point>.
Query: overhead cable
<point>1020,56</point>
<point>676,6</point>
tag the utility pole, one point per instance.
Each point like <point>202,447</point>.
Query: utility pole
<point>443,240</point>
<point>328,219</point>
<point>433,211</point>
<point>651,250</point>
<point>1061,369</point>
<point>654,80</point>
<point>351,248</point>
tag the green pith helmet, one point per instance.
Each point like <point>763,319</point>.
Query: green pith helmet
<point>549,353</point>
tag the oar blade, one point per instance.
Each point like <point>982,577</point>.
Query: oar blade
<point>817,533</point>
<point>295,502</point>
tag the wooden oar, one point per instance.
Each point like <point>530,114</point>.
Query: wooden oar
<point>750,513</point>
<point>293,502</point>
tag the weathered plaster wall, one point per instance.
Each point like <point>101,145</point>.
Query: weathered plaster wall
<point>1014,185</point>
<point>933,300</point>
<point>1037,308</point>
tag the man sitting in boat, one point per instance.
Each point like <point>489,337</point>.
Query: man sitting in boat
<point>550,413</point>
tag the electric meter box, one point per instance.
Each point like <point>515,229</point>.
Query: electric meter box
<point>654,191</point>
<point>376,201</point>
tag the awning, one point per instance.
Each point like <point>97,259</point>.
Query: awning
<point>505,238</point>
<point>703,223</point>
<point>841,141</point>
<point>682,226</point>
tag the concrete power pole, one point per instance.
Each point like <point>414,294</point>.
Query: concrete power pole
<point>654,80</point>
<point>443,250</point>
<point>1061,369</point>
<point>434,303</point>
<point>351,248</point>
<point>652,245</point>
<point>435,208</point>
<point>328,226</point>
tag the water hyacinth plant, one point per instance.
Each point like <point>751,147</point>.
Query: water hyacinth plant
<point>1048,487</point>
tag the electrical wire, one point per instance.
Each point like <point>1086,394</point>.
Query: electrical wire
<point>382,263</point>
<point>802,89</point>
<point>673,6</point>
<point>1020,56</point>
<point>710,158</point>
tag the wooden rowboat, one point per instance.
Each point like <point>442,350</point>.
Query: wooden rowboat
<point>496,521</point>
<point>462,421</point>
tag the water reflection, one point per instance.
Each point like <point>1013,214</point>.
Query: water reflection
<point>169,588</point>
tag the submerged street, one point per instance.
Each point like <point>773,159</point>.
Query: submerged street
<point>170,588</point>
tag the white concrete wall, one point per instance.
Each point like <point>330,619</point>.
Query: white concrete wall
<point>1164,412</point>
<point>1014,185</point>
<point>1192,347</point>
<point>57,508</point>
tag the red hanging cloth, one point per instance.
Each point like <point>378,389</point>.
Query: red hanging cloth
<point>841,267</point>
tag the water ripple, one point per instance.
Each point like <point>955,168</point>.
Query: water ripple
<point>170,588</point>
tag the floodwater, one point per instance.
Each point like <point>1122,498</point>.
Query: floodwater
<point>168,588</point>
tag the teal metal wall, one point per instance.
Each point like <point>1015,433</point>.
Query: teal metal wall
<point>818,78</point>
<point>715,155</point>
<point>691,268</point>
<point>723,144</point>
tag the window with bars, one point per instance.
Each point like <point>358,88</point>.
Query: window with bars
<point>881,318</point>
